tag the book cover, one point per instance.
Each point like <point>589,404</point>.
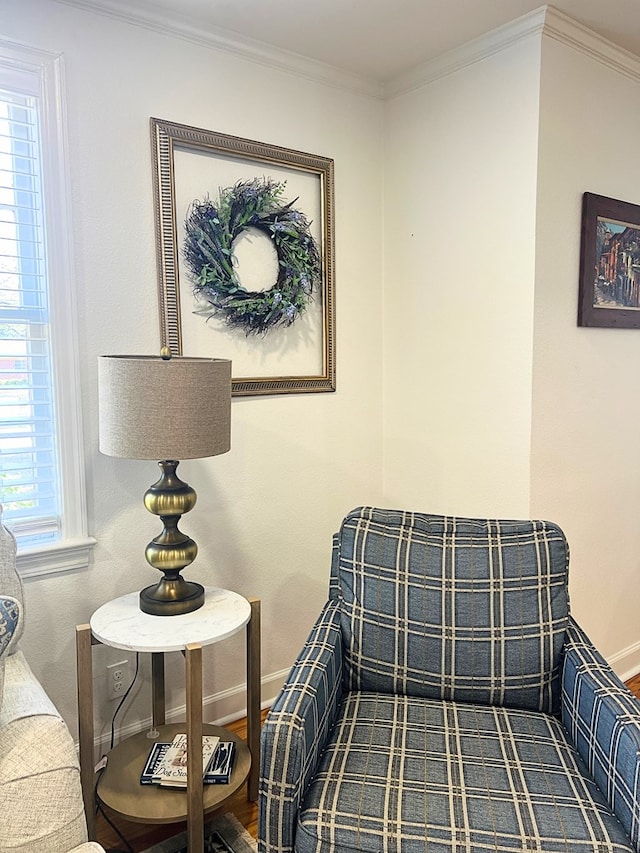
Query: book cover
<point>173,768</point>
<point>154,759</point>
<point>220,766</point>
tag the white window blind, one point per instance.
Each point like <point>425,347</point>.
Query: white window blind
<point>29,467</point>
<point>41,449</point>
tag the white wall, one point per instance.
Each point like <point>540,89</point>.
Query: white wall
<point>494,402</point>
<point>460,197</point>
<point>266,510</point>
<point>586,390</point>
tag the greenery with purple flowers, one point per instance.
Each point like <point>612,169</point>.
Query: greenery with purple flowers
<point>211,228</point>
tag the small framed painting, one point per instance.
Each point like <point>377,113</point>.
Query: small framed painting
<point>609,292</point>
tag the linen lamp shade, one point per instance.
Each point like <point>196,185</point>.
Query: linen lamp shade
<point>166,408</point>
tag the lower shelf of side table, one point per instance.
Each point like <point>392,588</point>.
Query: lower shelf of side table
<point>120,790</point>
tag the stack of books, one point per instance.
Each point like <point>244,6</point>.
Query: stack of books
<point>166,764</point>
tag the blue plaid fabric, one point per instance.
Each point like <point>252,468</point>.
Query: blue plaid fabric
<point>334,584</point>
<point>423,713</point>
<point>294,733</point>
<point>449,608</point>
<point>409,775</point>
<point>603,719</point>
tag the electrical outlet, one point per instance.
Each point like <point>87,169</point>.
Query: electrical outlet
<point>118,679</point>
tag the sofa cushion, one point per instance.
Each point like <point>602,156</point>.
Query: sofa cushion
<point>453,608</point>
<point>10,580</point>
<point>10,621</point>
<point>414,774</point>
<point>10,616</point>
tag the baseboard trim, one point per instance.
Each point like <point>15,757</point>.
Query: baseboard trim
<point>218,709</point>
<point>626,662</point>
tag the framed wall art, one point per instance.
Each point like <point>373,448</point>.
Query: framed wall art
<point>609,292</point>
<point>245,252</point>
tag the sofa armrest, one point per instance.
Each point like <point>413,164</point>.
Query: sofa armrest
<point>296,729</point>
<point>602,717</point>
<point>42,808</point>
<point>23,694</point>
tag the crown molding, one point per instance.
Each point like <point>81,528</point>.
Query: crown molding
<point>468,54</point>
<point>229,42</point>
<point>564,29</point>
<point>544,21</point>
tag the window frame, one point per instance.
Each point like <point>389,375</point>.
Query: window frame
<point>34,71</point>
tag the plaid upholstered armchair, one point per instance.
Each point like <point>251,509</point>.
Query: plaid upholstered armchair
<point>446,701</point>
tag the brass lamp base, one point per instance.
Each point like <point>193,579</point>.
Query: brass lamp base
<point>170,597</point>
<point>172,550</point>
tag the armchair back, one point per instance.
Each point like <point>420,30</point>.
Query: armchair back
<point>472,610</point>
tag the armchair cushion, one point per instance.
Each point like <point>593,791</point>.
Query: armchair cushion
<point>448,608</point>
<point>421,774</point>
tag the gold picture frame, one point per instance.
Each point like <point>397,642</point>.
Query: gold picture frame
<point>188,160</point>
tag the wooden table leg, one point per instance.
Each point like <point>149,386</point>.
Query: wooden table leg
<point>84,681</point>
<point>253,698</point>
<point>195,809</point>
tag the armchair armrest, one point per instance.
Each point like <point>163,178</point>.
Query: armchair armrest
<point>296,729</point>
<point>602,718</point>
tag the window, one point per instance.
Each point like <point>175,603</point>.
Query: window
<point>41,473</point>
<point>29,470</point>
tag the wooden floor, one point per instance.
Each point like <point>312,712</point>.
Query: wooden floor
<point>634,685</point>
<point>140,836</point>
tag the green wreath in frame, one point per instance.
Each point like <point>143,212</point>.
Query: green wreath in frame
<point>211,228</point>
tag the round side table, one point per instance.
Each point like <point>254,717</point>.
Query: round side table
<point>121,624</point>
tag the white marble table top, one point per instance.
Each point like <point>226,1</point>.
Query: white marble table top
<point>120,623</point>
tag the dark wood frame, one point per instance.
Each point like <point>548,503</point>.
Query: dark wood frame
<point>595,207</point>
<point>164,136</point>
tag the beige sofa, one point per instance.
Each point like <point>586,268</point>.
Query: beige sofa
<point>41,809</point>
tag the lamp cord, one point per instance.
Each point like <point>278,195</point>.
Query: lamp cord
<point>97,804</point>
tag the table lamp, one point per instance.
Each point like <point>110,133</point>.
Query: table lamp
<point>166,408</point>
